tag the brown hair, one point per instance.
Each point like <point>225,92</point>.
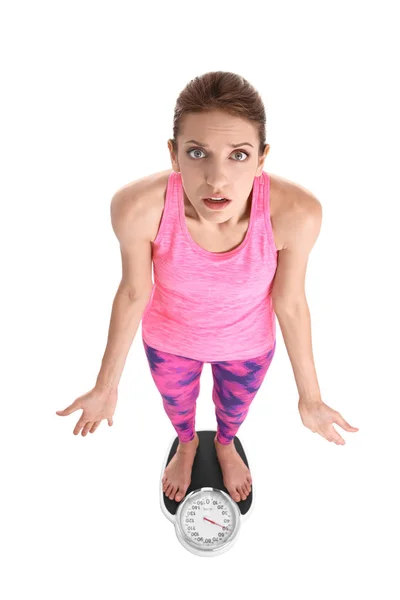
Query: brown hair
<point>220,90</point>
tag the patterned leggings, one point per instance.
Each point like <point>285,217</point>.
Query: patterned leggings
<point>236,382</point>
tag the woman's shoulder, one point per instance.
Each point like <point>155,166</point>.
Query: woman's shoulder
<point>290,204</point>
<point>145,196</point>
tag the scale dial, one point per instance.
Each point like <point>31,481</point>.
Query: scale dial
<point>207,521</point>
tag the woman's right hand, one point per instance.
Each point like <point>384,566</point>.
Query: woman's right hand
<point>98,404</point>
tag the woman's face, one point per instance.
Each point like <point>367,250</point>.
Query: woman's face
<point>210,166</point>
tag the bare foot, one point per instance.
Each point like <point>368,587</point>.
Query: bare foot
<point>236,476</point>
<point>177,474</point>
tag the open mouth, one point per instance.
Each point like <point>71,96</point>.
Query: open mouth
<point>216,204</point>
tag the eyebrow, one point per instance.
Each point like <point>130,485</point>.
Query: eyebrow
<point>232,145</point>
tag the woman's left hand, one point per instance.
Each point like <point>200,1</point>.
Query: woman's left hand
<point>319,417</point>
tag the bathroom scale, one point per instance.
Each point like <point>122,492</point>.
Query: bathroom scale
<point>207,520</point>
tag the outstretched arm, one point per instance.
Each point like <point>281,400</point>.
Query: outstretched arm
<point>291,308</point>
<point>302,228</point>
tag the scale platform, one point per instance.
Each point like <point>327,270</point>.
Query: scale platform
<point>206,472</point>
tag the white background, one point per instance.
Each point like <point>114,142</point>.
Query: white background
<point>87,106</point>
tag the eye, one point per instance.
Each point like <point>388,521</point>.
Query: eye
<point>235,152</point>
<point>194,150</point>
<point>241,152</point>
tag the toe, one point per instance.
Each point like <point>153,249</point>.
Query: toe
<point>172,494</point>
<point>182,491</point>
<point>236,496</point>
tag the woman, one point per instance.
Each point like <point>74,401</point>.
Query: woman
<point>230,244</point>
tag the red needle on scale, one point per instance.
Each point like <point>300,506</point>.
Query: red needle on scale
<point>214,523</point>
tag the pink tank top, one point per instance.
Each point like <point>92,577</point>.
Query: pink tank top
<point>212,306</point>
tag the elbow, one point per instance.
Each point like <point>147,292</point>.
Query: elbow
<point>288,306</point>
<point>142,296</point>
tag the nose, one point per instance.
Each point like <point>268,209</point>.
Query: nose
<point>216,182</point>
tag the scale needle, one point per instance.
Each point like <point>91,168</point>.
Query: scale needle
<point>214,523</point>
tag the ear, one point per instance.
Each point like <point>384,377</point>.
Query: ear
<point>262,160</point>
<point>174,159</point>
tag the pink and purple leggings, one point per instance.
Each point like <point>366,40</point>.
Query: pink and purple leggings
<point>236,382</point>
